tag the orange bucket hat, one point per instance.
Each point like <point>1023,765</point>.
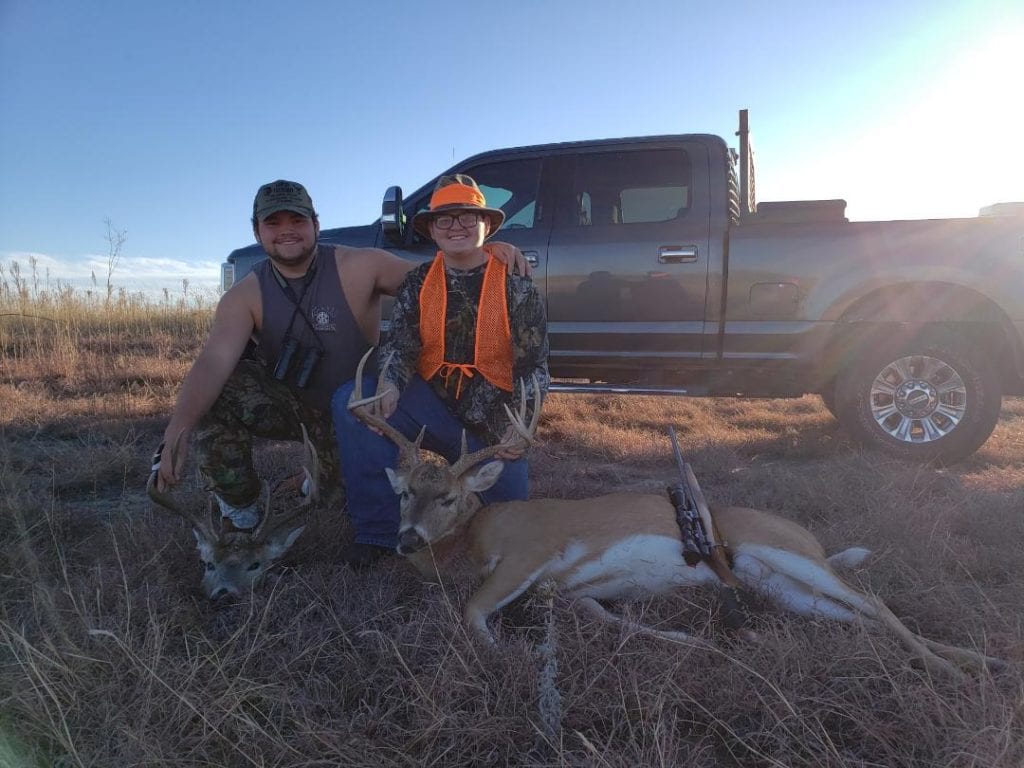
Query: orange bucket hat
<point>457,192</point>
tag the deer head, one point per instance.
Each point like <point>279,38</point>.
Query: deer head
<point>235,561</point>
<point>435,499</point>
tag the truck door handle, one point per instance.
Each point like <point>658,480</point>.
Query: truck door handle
<point>532,258</point>
<point>676,254</point>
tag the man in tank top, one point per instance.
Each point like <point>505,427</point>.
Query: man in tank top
<point>313,310</point>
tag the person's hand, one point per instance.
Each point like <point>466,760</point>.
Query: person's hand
<point>511,257</point>
<point>289,486</point>
<point>385,405</point>
<point>171,467</point>
<point>510,454</point>
<point>520,265</point>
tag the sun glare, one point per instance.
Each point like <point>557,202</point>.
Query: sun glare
<point>953,143</point>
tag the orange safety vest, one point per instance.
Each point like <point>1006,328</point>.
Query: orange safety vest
<point>492,351</point>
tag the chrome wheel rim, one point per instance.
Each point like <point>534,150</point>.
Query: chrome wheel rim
<point>918,399</point>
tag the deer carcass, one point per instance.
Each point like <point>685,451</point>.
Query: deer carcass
<point>235,561</point>
<point>618,546</point>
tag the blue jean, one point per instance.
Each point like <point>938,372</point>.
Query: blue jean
<point>372,502</point>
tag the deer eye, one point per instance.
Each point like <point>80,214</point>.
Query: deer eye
<point>254,566</point>
<point>404,496</point>
<point>449,501</point>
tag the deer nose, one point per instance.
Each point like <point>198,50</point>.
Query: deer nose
<point>409,541</point>
<point>220,593</point>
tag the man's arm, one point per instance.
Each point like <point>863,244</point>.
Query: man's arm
<point>233,324</point>
<point>528,322</point>
<point>529,326</point>
<point>402,349</point>
<point>510,256</point>
<point>389,271</point>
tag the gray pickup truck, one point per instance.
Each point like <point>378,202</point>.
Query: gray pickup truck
<point>664,276</point>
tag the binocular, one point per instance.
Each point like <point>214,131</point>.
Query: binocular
<point>292,351</point>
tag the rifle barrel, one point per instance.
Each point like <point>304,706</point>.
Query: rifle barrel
<point>680,461</point>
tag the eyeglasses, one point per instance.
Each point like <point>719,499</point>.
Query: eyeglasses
<point>466,220</point>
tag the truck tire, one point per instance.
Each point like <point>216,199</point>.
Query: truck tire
<point>933,400</point>
<point>828,398</point>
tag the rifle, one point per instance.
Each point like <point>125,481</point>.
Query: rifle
<point>700,540</point>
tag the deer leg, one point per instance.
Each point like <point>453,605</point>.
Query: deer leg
<point>597,611</point>
<point>498,590</point>
<point>934,649</point>
<point>965,657</point>
<point>816,580</point>
<point>876,609</point>
<point>873,608</point>
<point>813,590</point>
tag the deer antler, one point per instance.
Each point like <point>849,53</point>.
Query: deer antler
<point>409,451</point>
<point>522,439</point>
<point>205,527</point>
<point>310,492</point>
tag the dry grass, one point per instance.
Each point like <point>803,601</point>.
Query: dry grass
<point>108,657</point>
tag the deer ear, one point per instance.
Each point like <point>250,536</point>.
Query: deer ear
<point>204,547</point>
<point>280,541</point>
<point>481,479</point>
<point>398,482</point>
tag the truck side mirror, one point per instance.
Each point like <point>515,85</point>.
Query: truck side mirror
<point>392,216</point>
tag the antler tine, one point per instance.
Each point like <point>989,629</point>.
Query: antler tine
<point>263,526</point>
<point>524,432</point>
<point>165,500</point>
<point>357,399</point>
<point>466,463</point>
<point>311,487</point>
<point>357,405</point>
<point>311,468</point>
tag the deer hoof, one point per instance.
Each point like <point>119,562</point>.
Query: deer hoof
<point>749,636</point>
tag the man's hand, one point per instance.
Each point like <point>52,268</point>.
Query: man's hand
<point>510,454</point>
<point>172,460</point>
<point>385,405</point>
<point>388,401</point>
<point>289,486</point>
<point>511,257</point>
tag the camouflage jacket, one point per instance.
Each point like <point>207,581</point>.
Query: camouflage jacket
<point>479,404</point>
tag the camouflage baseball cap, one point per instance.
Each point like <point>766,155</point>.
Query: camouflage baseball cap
<point>281,195</point>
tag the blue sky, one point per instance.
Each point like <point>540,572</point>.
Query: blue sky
<point>165,117</point>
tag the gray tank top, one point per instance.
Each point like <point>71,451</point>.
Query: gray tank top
<point>323,302</point>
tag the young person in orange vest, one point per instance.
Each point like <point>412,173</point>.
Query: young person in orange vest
<point>465,337</point>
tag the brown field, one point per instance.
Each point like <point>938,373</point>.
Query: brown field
<point>108,657</point>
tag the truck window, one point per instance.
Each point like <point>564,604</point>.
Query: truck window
<point>512,186</point>
<point>641,187</point>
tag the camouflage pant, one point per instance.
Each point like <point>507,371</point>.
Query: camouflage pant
<point>253,404</point>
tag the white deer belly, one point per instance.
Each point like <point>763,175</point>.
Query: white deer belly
<point>641,565</point>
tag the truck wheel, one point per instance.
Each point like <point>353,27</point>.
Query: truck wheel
<point>930,401</point>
